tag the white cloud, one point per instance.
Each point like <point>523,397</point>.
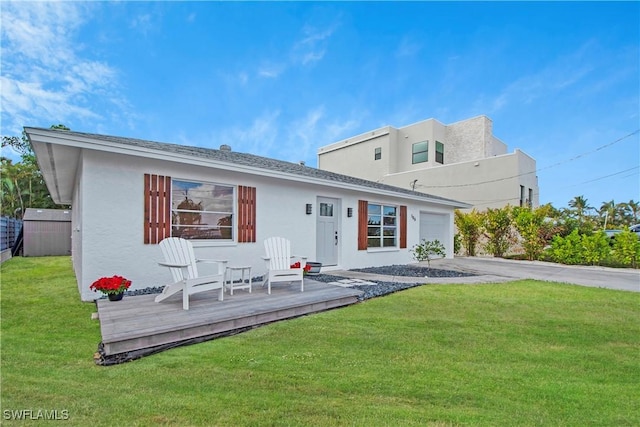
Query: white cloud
<point>271,71</point>
<point>258,138</point>
<point>408,47</point>
<point>313,46</point>
<point>558,76</point>
<point>45,78</point>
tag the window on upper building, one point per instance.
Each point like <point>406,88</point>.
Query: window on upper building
<point>521,195</point>
<point>382,227</point>
<point>419,152</point>
<point>530,199</point>
<point>377,154</point>
<point>201,210</point>
<point>439,152</point>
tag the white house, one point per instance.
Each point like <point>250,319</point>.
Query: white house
<point>462,161</point>
<point>128,194</point>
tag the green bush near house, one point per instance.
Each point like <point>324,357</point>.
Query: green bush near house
<point>427,250</point>
<point>518,354</point>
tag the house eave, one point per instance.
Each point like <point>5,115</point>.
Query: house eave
<point>69,146</point>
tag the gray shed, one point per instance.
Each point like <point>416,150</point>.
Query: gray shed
<point>47,232</point>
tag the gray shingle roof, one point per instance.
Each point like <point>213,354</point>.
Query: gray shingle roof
<point>233,157</point>
<point>32,214</point>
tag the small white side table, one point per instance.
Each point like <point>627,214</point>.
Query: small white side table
<point>231,282</point>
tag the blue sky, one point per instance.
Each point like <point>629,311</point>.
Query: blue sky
<point>561,81</point>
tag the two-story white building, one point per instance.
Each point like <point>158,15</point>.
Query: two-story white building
<point>462,161</point>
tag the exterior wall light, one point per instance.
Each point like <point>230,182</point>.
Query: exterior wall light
<point>309,208</point>
<point>349,212</point>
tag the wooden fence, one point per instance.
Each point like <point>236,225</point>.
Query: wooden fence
<point>9,229</point>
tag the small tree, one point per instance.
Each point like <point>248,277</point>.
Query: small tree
<point>427,250</point>
<point>626,248</point>
<point>595,248</point>
<point>470,228</point>
<point>530,223</point>
<point>567,250</point>
<point>497,224</point>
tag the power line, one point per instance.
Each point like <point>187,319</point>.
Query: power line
<point>606,176</point>
<point>591,152</point>
<point>537,170</point>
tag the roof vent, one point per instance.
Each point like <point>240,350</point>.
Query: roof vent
<point>301,163</point>
<point>225,147</point>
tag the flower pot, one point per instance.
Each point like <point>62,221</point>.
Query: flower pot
<point>116,297</point>
<point>314,267</point>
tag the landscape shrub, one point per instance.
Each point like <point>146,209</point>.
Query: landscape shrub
<point>626,249</point>
<point>530,224</point>
<point>567,250</point>
<point>498,230</point>
<point>595,248</point>
<point>470,228</point>
<point>427,250</point>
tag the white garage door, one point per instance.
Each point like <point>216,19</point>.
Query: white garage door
<point>434,227</point>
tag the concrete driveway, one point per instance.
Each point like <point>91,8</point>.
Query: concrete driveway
<point>497,270</point>
<point>623,279</point>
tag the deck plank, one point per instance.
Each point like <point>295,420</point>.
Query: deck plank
<point>138,322</point>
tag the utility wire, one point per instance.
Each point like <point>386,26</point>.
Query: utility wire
<point>537,170</point>
<point>606,176</point>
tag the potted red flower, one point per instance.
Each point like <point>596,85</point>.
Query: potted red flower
<point>113,287</point>
<point>306,269</point>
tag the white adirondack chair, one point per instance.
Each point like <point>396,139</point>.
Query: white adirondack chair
<point>180,258</point>
<point>279,261</point>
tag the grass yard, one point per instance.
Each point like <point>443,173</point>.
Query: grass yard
<point>518,354</point>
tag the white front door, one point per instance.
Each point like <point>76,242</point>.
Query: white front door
<point>327,231</point>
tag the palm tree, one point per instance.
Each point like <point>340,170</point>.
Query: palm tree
<point>611,213</point>
<point>631,211</point>
<point>581,206</point>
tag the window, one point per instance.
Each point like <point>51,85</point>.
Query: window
<point>201,210</point>
<point>439,152</point>
<point>420,151</point>
<point>326,209</point>
<point>530,200</point>
<point>364,225</point>
<point>521,195</point>
<point>377,154</point>
<point>162,216</point>
<point>382,226</point>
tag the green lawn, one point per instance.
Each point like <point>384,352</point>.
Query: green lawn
<point>518,354</point>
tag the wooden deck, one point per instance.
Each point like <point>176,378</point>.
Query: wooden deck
<point>137,322</point>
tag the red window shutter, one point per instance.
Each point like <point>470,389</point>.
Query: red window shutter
<point>403,227</point>
<point>157,208</point>
<point>363,221</point>
<point>246,214</point>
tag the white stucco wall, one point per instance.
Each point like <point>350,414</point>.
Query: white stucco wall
<point>109,224</point>
<point>477,168</point>
<point>361,147</point>
<point>488,183</point>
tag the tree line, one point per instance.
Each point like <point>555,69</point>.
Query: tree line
<point>21,183</point>
<point>568,236</point>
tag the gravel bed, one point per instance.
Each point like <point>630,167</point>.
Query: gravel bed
<point>383,288</point>
<point>412,271</point>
